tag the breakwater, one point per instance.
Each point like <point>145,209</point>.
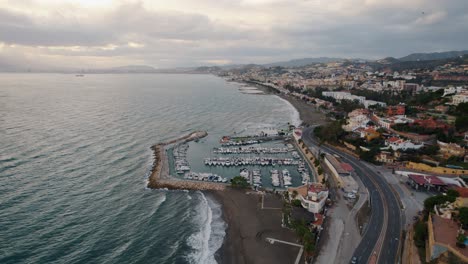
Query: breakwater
<point>160,176</point>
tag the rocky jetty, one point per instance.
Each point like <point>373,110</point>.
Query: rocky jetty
<point>160,177</point>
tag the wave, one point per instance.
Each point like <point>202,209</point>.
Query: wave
<point>209,238</point>
<point>295,116</point>
<point>158,203</point>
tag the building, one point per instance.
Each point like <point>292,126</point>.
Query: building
<point>460,98</point>
<point>431,124</point>
<point>396,110</point>
<point>357,118</point>
<point>450,149</point>
<point>342,173</point>
<point>435,170</point>
<point>400,144</point>
<point>312,196</point>
<point>385,157</point>
<point>442,238</point>
<point>425,182</point>
<point>462,200</point>
<point>369,134</point>
<point>368,103</point>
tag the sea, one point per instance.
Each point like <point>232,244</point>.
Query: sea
<point>75,159</point>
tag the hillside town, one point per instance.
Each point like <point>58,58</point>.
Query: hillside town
<point>407,117</point>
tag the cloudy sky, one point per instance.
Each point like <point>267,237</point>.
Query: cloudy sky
<point>171,33</point>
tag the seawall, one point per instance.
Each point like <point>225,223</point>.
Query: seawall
<point>160,176</point>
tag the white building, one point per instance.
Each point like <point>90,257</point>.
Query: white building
<point>368,103</point>
<point>344,96</point>
<point>400,144</point>
<point>460,98</point>
<point>312,196</point>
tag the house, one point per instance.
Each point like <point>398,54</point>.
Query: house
<point>400,144</point>
<point>385,157</point>
<point>442,238</point>
<point>369,134</point>
<point>462,200</point>
<point>312,196</point>
<point>460,98</point>
<point>431,123</point>
<point>356,119</point>
<point>396,110</point>
<point>450,149</point>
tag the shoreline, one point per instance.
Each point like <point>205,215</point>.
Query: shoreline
<point>237,247</point>
<point>248,227</point>
<point>308,114</point>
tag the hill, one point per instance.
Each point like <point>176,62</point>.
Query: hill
<point>433,56</point>
<point>302,62</point>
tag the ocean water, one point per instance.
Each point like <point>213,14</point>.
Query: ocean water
<point>75,156</point>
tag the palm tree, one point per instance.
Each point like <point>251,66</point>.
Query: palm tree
<point>294,194</point>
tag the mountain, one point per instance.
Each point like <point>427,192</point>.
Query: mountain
<point>433,55</point>
<point>302,62</point>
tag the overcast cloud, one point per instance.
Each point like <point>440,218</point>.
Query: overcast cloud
<point>93,34</point>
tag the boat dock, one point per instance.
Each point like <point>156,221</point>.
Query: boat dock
<point>249,150</point>
<point>261,161</point>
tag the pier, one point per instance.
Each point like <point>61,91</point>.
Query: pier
<point>160,177</point>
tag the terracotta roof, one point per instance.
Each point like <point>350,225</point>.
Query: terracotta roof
<point>393,139</point>
<point>462,191</point>
<point>317,187</point>
<point>426,179</point>
<point>445,232</point>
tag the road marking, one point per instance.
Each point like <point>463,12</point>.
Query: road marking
<point>298,258</point>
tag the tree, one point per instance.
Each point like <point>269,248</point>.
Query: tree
<point>296,203</point>
<point>420,234</point>
<point>461,123</point>
<point>320,170</point>
<point>463,215</point>
<point>239,182</point>
<point>294,194</point>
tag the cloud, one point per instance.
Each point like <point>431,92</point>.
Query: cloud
<point>189,33</point>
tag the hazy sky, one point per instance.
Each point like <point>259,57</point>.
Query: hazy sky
<point>169,33</point>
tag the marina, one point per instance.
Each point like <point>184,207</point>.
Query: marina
<point>270,164</point>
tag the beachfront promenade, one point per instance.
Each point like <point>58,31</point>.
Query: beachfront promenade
<point>160,176</point>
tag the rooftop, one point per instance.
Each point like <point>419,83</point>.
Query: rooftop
<point>426,179</point>
<point>445,232</point>
<point>463,191</point>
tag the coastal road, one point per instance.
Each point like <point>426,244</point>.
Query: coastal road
<point>381,238</point>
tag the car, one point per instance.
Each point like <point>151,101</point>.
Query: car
<point>354,260</point>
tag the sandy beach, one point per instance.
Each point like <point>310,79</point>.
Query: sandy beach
<point>248,224</point>
<point>308,114</point>
<point>248,227</point>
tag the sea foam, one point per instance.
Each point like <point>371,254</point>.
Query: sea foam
<point>295,117</point>
<point>209,238</point>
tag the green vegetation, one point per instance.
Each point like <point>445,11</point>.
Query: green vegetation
<point>463,215</point>
<point>430,202</point>
<point>239,182</point>
<point>420,234</point>
<point>305,236</point>
<point>331,132</point>
<point>296,203</point>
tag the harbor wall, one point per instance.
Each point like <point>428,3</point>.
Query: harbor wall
<point>160,177</point>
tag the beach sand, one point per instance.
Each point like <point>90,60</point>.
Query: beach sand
<point>248,227</point>
<point>308,114</point>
